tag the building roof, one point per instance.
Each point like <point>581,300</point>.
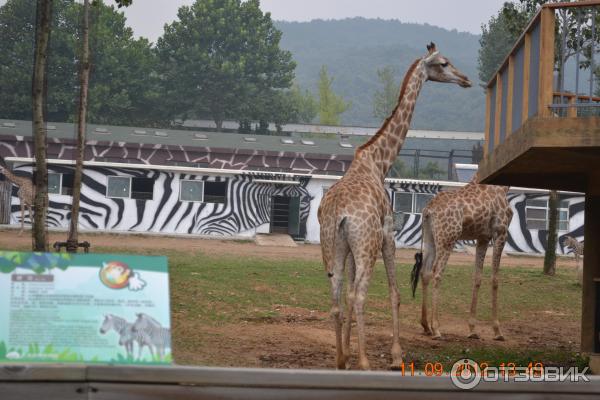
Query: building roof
<point>346,145</point>
<point>340,130</point>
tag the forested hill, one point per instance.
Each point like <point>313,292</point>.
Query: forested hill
<point>354,49</point>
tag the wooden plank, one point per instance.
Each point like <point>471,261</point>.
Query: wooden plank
<point>498,112</point>
<point>546,75</point>
<point>526,77</point>
<point>43,390</point>
<point>509,95</point>
<point>44,372</point>
<point>579,3</point>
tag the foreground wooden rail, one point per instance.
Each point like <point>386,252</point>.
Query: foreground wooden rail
<point>67,382</point>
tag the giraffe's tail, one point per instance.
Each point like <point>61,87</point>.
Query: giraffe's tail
<point>416,272</point>
<point>427,253</point>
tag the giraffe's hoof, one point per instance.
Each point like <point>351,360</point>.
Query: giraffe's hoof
<point>427,331</point>
<point>395,367</point>
<point>437,336</point>
<point>473,336</point>
<point>499,338</point>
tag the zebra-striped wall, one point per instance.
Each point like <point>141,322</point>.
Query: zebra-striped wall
<point>248,204</point>
<point>248,208</point>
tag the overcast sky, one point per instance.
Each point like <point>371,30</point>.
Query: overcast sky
<point>147,17</point>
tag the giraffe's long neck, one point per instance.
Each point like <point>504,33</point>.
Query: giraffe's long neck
<point>16,180</point>
<point>382,149</point>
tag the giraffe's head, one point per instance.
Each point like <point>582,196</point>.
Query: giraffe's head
<point>440,69</point>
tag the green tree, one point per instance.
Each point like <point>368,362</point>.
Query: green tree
<point>499,35</point>
<point>431,171</point>
<point>331,106</point>
<point>221,58</point>
<point>385,98</point>
<point>123,85</point>
<point>305,103</point>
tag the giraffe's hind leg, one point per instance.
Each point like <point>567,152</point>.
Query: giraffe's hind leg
<point>388,252</point>
<point>336,280</point>
<point>441,259</point>
<point>482,245</point>
<point>351,271</point>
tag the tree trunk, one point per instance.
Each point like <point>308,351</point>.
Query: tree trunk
<point>219,123</point>
<point>84,77</point>
<point>550,257</point>
<point>39,84</point>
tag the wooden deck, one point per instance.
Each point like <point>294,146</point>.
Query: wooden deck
<point>65,382</point>
<point>547,153</point>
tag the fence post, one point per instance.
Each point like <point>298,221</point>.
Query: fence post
<point>5,201</point>
<point>546,76</point>
<point>509,95</point>
<point>526,77</point>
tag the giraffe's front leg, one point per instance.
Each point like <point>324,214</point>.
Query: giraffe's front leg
<point>389,250</point>
<point>498,247</point>
<point>479,260</point>
<point>22,218</point>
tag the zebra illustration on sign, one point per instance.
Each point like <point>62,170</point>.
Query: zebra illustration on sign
<point>126,334</point>
<point>153,333</point>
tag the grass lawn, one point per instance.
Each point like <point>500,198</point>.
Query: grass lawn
<point>222,306</point>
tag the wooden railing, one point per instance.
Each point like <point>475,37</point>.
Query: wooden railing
<point>531,80</point>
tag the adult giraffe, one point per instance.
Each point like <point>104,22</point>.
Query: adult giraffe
<point>356,217</point>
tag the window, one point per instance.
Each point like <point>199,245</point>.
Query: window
<point>215,192</point>
<point>537,212</point>
<point>125,187</point>
<point>208,192</point>
<point>325,189</point>
<point>54,183</point>
<point>119,187</point>
<point>191,190</point>
<point>403,202</point>
<point>410,203</point>
<point>421,200</point>
<point>142,188</point>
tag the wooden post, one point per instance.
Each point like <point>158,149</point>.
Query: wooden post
<point>488,110</point>
<point>572,110</point>
<point>591,275</point>
<point>5,201</point>
<point>509,95</point>
<point>546,62</point>
<point>498,113</point>
<point>526,76</point>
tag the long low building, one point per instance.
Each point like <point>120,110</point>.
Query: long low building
<point>153,181</point>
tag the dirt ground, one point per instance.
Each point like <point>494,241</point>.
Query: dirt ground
<point>215,247</point>
<point>301,338</point>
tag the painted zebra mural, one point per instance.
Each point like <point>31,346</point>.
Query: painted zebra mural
<point>410,233</point>
<point>247,204</point>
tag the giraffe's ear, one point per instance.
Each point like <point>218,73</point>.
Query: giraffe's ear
<point>431,48</point>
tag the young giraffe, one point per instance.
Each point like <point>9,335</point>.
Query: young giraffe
<point>577,249</point>
<point>473,212</point>
<point>25,193</point>
<point>356,217</point>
